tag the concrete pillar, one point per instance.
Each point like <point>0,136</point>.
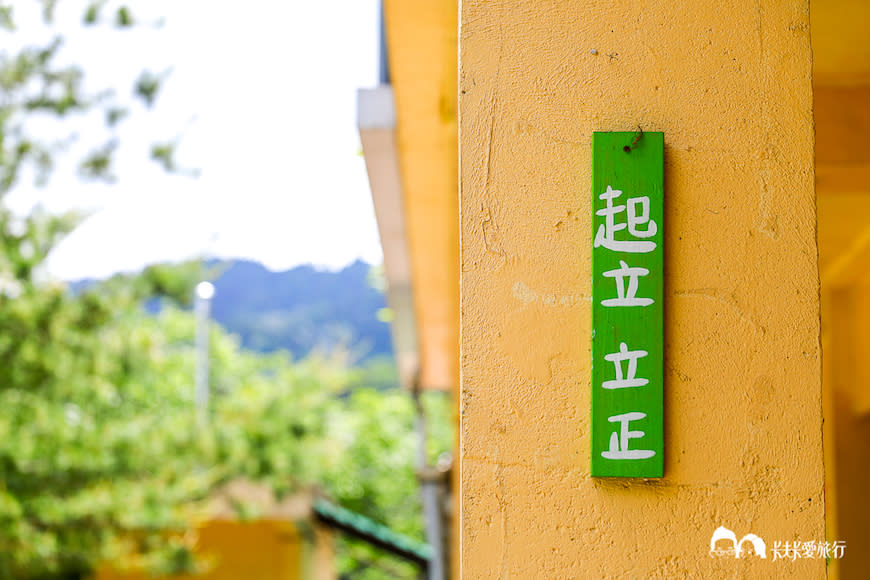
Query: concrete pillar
<point>729,84</point>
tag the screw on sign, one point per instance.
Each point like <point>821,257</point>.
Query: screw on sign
<point>627,310</point>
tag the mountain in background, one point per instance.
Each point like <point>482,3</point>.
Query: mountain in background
<point>302,309</point>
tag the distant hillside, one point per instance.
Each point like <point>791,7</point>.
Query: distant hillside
<point>300,309</point>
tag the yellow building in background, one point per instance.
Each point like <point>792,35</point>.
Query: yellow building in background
<point>765,108</point>
<point>256,550</point>
<point>286,541</point>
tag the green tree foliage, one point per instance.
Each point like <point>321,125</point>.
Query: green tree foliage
<point>101,456</point>
<point>375,473</point>
<point>38,83</point>
<point>82,400</point>
<point>98,438</point>
<point>99,442</point>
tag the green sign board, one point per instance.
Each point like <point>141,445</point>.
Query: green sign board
<point>627,293</point>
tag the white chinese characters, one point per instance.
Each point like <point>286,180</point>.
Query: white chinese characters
<point>811,549</point>
<point>633,220</point>
<point>624,298</point>
<point>627,380</point>
<point>619,441</point>
<point>606,231</point>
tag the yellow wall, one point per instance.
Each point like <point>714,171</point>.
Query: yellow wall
<point>729,84</point>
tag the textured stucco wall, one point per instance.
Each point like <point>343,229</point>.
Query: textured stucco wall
<point>729,85</point>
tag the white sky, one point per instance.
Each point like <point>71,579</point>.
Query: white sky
<point>264,96</point>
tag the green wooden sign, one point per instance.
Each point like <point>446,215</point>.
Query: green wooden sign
<point>627,293</point>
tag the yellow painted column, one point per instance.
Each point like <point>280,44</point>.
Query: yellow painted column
<point>729,84</point>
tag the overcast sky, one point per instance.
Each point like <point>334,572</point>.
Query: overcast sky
<point>263,94</point>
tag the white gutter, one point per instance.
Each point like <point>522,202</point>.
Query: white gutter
<point>377,123</point>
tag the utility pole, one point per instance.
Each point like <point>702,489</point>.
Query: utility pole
<point>202,307</point>
<point>430,482</point>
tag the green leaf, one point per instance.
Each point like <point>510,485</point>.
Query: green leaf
<point>124,18</point>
